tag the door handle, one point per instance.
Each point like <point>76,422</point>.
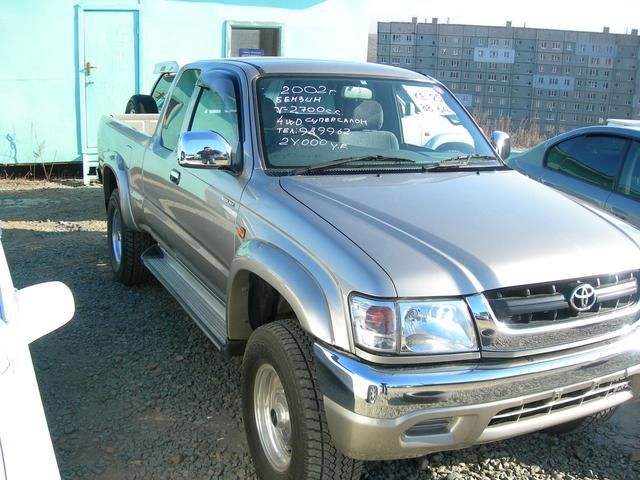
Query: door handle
<point>88,68</point>
<point>174,176</point>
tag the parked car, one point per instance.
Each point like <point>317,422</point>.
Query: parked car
<point>26,315</point>
<point>599,165</point>
<point>153,102</point>
<point>391,297</point>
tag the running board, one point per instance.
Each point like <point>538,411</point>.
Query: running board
<point>202,305</point>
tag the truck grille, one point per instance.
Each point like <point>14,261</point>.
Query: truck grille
<point>555,402</point>
<point>542,303</point>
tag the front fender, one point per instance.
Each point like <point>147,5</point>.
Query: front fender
<point>292,280</point>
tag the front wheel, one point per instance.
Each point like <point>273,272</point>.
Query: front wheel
<point>283,411</point>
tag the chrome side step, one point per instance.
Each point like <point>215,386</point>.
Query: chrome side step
<point>202,305</point>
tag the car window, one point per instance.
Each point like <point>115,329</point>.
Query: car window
<point>177,108</point>
<point>630,177</point>
<point>593,158</point>
<point>311,120</point>
<point>161,89</point>
<point>217,111</point>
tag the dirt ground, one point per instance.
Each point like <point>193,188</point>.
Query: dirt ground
<point>133,390</point>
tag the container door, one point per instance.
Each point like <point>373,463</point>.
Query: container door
<point>109,66</point>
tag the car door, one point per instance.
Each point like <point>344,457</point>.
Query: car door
<point>624,202</point>
<point>161,165</point>
<point>206,199</point>
<point>585,166</point>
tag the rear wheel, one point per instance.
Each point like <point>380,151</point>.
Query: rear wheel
<point>283,410</point>
<point>125,246</point>
<point>141,104</point>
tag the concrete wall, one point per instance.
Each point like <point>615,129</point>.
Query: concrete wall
<point>41,73</point>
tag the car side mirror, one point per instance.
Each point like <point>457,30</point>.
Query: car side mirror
<point>43,308</point>
<point>502,143</point>
<point>203,149</point>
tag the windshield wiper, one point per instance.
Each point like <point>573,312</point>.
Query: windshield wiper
<point>342,161</point>
<point>460,161</point>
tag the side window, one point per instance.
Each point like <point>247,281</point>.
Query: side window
<point>217,111</point>
<point>630,176</point>
<point>161,89</point>
<point>177,108</point>
<point>595,159</point>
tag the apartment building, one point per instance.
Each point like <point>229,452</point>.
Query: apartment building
<point>562,79</point>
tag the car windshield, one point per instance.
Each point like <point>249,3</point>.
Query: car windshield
<point>314,120</point>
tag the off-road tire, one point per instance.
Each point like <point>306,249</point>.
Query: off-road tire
<point>286,347</point>
<point>141,104</point>
<point>130,270</point>
<point>580,423</point>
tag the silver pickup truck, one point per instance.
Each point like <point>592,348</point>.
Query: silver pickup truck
<point>394,288</point>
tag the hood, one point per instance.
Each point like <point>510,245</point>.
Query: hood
<point>457,233</point>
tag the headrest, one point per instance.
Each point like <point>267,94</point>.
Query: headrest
<point>371,111</point>
<point>268,109</point>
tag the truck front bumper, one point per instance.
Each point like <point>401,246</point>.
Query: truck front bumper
<point>380,412</point>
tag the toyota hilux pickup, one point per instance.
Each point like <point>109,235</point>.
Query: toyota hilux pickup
<point>393,293</point>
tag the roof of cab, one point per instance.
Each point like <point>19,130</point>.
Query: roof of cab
<point>289,66</point>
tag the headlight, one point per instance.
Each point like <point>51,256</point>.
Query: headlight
<point>413,327</point>
<point>442,326</point>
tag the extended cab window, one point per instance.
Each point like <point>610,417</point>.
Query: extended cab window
<point>630,177</point>
<point>177,108</point>
<point>161,89</point>
<point>217,111</point>
<point>595,159</point>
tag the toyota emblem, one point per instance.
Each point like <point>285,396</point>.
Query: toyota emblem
<point>583,297</point>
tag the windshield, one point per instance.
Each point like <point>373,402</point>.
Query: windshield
<point>309,121</point>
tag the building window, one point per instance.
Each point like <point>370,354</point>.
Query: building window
<point>542,57</point>
<point>567,82</point>
<point>603,108</point>
<point>466,75</point>
<point>565,94</point>
<point>493,66</point>
<point>555,45</point>
<point>395,60</point>
<point>409,38</point>
<point>455,52</point>
<point>407,60</point>
<point>266,40</point>
<point>478,88</point>
<point>478,76</point>
<point>505,78</point>
<point>554,69</point>
<point>453,74</point>
<point>553,93</point>
<point>395,38</point>
<point>506,54</point>
<point>590,107</point>
<point>492,77</point>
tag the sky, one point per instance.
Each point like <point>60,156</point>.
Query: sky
<point>587,15</point>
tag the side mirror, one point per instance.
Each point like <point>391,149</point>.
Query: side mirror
<point>502,143</point>
<point>203,149</point>
<point>43,308</point>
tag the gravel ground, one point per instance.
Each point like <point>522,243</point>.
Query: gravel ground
<point>133,390</point>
